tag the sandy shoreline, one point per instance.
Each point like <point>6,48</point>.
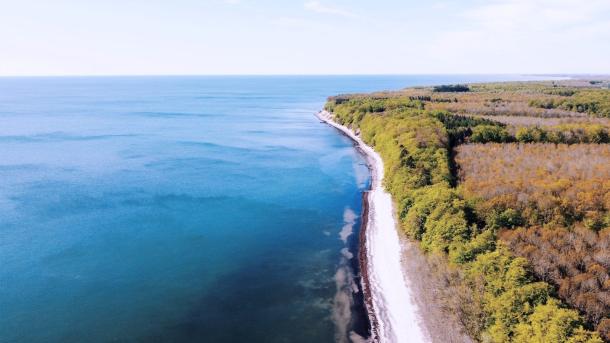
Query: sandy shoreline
<point>393,311</point>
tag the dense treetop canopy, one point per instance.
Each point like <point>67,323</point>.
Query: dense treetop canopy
<point>510,182</point>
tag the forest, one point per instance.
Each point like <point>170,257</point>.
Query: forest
<point>512,215</point>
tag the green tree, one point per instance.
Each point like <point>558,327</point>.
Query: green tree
<point>551,324</point>
<point>489,133</point>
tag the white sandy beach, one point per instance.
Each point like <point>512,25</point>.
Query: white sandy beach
<point>396,313</point>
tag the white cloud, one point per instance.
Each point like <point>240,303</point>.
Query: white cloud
<point>318,7</point>
<point>526,36</point>
<point>537,14</point>
<point>297,22</point>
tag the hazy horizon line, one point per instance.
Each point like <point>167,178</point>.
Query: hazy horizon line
<point>300,75</point>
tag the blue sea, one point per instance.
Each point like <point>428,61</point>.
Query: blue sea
<point>180,209</point>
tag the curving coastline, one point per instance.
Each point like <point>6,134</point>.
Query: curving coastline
<point>393,311</point>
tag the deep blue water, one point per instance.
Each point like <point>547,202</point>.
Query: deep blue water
<point>177,209</point>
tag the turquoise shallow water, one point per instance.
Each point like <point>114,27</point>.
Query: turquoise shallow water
<point>177,209</point>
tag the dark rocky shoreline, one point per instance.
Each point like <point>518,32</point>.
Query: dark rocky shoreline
<point>364,278</point>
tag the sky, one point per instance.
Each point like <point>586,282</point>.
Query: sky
<point>189,37</point>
